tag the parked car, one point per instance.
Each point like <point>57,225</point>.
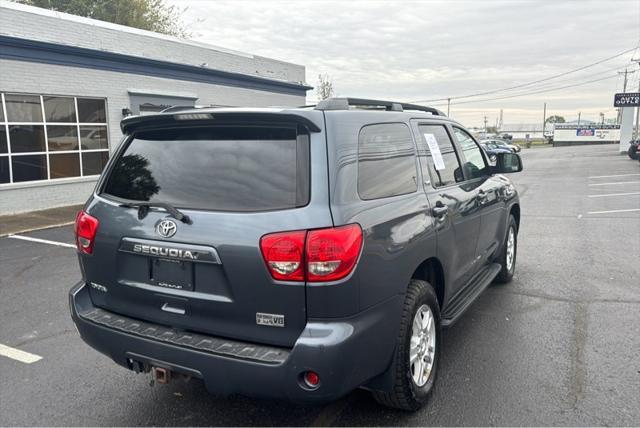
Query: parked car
<point>502,144</point>
<point>633,149</point>
<point>293,253</point>
<point>492,151</point>
<point>506,136</point>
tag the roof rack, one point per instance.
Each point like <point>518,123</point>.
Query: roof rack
<point>345,103</point>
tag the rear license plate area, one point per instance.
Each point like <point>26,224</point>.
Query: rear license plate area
<point>175,274</point>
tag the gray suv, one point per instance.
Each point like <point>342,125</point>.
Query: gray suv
<point>293,253</point>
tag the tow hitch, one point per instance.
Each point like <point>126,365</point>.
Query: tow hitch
<point>161,375</point>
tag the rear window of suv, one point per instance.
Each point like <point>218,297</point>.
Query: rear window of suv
<point>243,169</point>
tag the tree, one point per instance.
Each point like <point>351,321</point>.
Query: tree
<point>152,15</point>
<point>325,87</point>
<point>555,119</point>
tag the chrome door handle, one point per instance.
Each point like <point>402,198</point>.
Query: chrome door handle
<point>439,211</point>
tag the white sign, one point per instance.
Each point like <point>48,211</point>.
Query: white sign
<point>438,162</point>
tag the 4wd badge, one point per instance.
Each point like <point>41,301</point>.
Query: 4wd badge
<point>271,320</point>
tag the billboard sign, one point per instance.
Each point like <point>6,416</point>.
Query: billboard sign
<point>629,99</point>
<point>585,132</point>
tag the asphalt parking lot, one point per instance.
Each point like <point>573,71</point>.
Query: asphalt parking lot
<point>560,345</point>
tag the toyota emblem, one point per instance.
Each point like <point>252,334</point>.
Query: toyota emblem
<point>167,228</point>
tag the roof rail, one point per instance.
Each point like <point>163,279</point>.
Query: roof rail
<point>345,103</point>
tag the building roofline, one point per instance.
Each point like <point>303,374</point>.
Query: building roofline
<point>20,49</point>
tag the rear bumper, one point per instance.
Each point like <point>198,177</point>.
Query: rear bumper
<point>345,353</point>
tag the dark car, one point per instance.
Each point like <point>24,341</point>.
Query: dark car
<point>493,150</point>
<point>502,144</point>
<point>292,253</point>
<point>634,145</point>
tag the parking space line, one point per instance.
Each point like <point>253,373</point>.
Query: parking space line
<point>18,355</point>
<point>611,176</point>
<point>614,194</point>
<point>610,184</point>
<point>42,241</point>
<point>615,211</point>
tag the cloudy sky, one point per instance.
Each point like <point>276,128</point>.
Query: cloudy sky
<point>429,50</point>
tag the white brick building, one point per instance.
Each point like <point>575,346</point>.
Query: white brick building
<point>66,82</point>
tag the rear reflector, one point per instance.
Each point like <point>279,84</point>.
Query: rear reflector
<point>320,255</point>
<point>86,229</point>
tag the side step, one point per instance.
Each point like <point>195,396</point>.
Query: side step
<point>469,294</point>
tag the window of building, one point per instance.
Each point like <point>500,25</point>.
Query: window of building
<point>442,160</point>
<point>46,137</point>
<point>474,166</point>
<point>386,161</point>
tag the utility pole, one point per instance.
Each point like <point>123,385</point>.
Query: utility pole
<point>624,89</point>
<point>579,113</point>
<point>544,118</point>
<point>485,126</point>
<point>636,135</point>
<point>449,100</point>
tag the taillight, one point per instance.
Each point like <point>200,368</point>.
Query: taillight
<point>332,253</point>
<point>86,228</point>
<point>283,253</point>
<point>320,255</point>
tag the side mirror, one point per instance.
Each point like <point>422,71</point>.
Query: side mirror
<point>507,163</point>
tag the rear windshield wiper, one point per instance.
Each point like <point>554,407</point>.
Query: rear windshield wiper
<point>143,209</point>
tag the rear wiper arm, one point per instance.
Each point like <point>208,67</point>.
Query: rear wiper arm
<point>143,209</point>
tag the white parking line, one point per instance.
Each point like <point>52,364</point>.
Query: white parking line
<point>610,184</point>
<point>42,241</point>
<point>18,355</point>
<point>615,211</point>
<point>611,176</point>
<point>614,194</point>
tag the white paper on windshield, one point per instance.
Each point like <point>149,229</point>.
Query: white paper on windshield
<point>438,162</point>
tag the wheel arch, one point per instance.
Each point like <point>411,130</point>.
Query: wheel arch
<point>515,212</point>
<point>431,270</point>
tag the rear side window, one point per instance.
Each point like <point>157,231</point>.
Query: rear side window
<point>216,168</point>
<point>386,161</point>
<point>443,162</point>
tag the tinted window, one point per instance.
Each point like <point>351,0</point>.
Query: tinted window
<point>386,161</point>
<point>91,110</point>
<point>219,169</point>
<point>4,169</point>
<point>23,108</point>
<point>441,155</point>
<point>64,165</point>
<point>29,167</point>
<point>59,109</point>
<point>26,138</point>
<point>62,138</point>
<point>3,139</point>
<point>93,162</point>
<point>474,165</point>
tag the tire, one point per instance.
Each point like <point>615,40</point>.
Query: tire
<point>633,152</point>
<point>406,393</point>
<point>508,269</point>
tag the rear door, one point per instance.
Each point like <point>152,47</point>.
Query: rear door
<point>453,203</point>
<point>236,183</point>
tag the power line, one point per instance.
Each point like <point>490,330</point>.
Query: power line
<point>530,93</point>
<point>522,85</point>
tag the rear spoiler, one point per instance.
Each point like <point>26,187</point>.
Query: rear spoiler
<point>132,124</point>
